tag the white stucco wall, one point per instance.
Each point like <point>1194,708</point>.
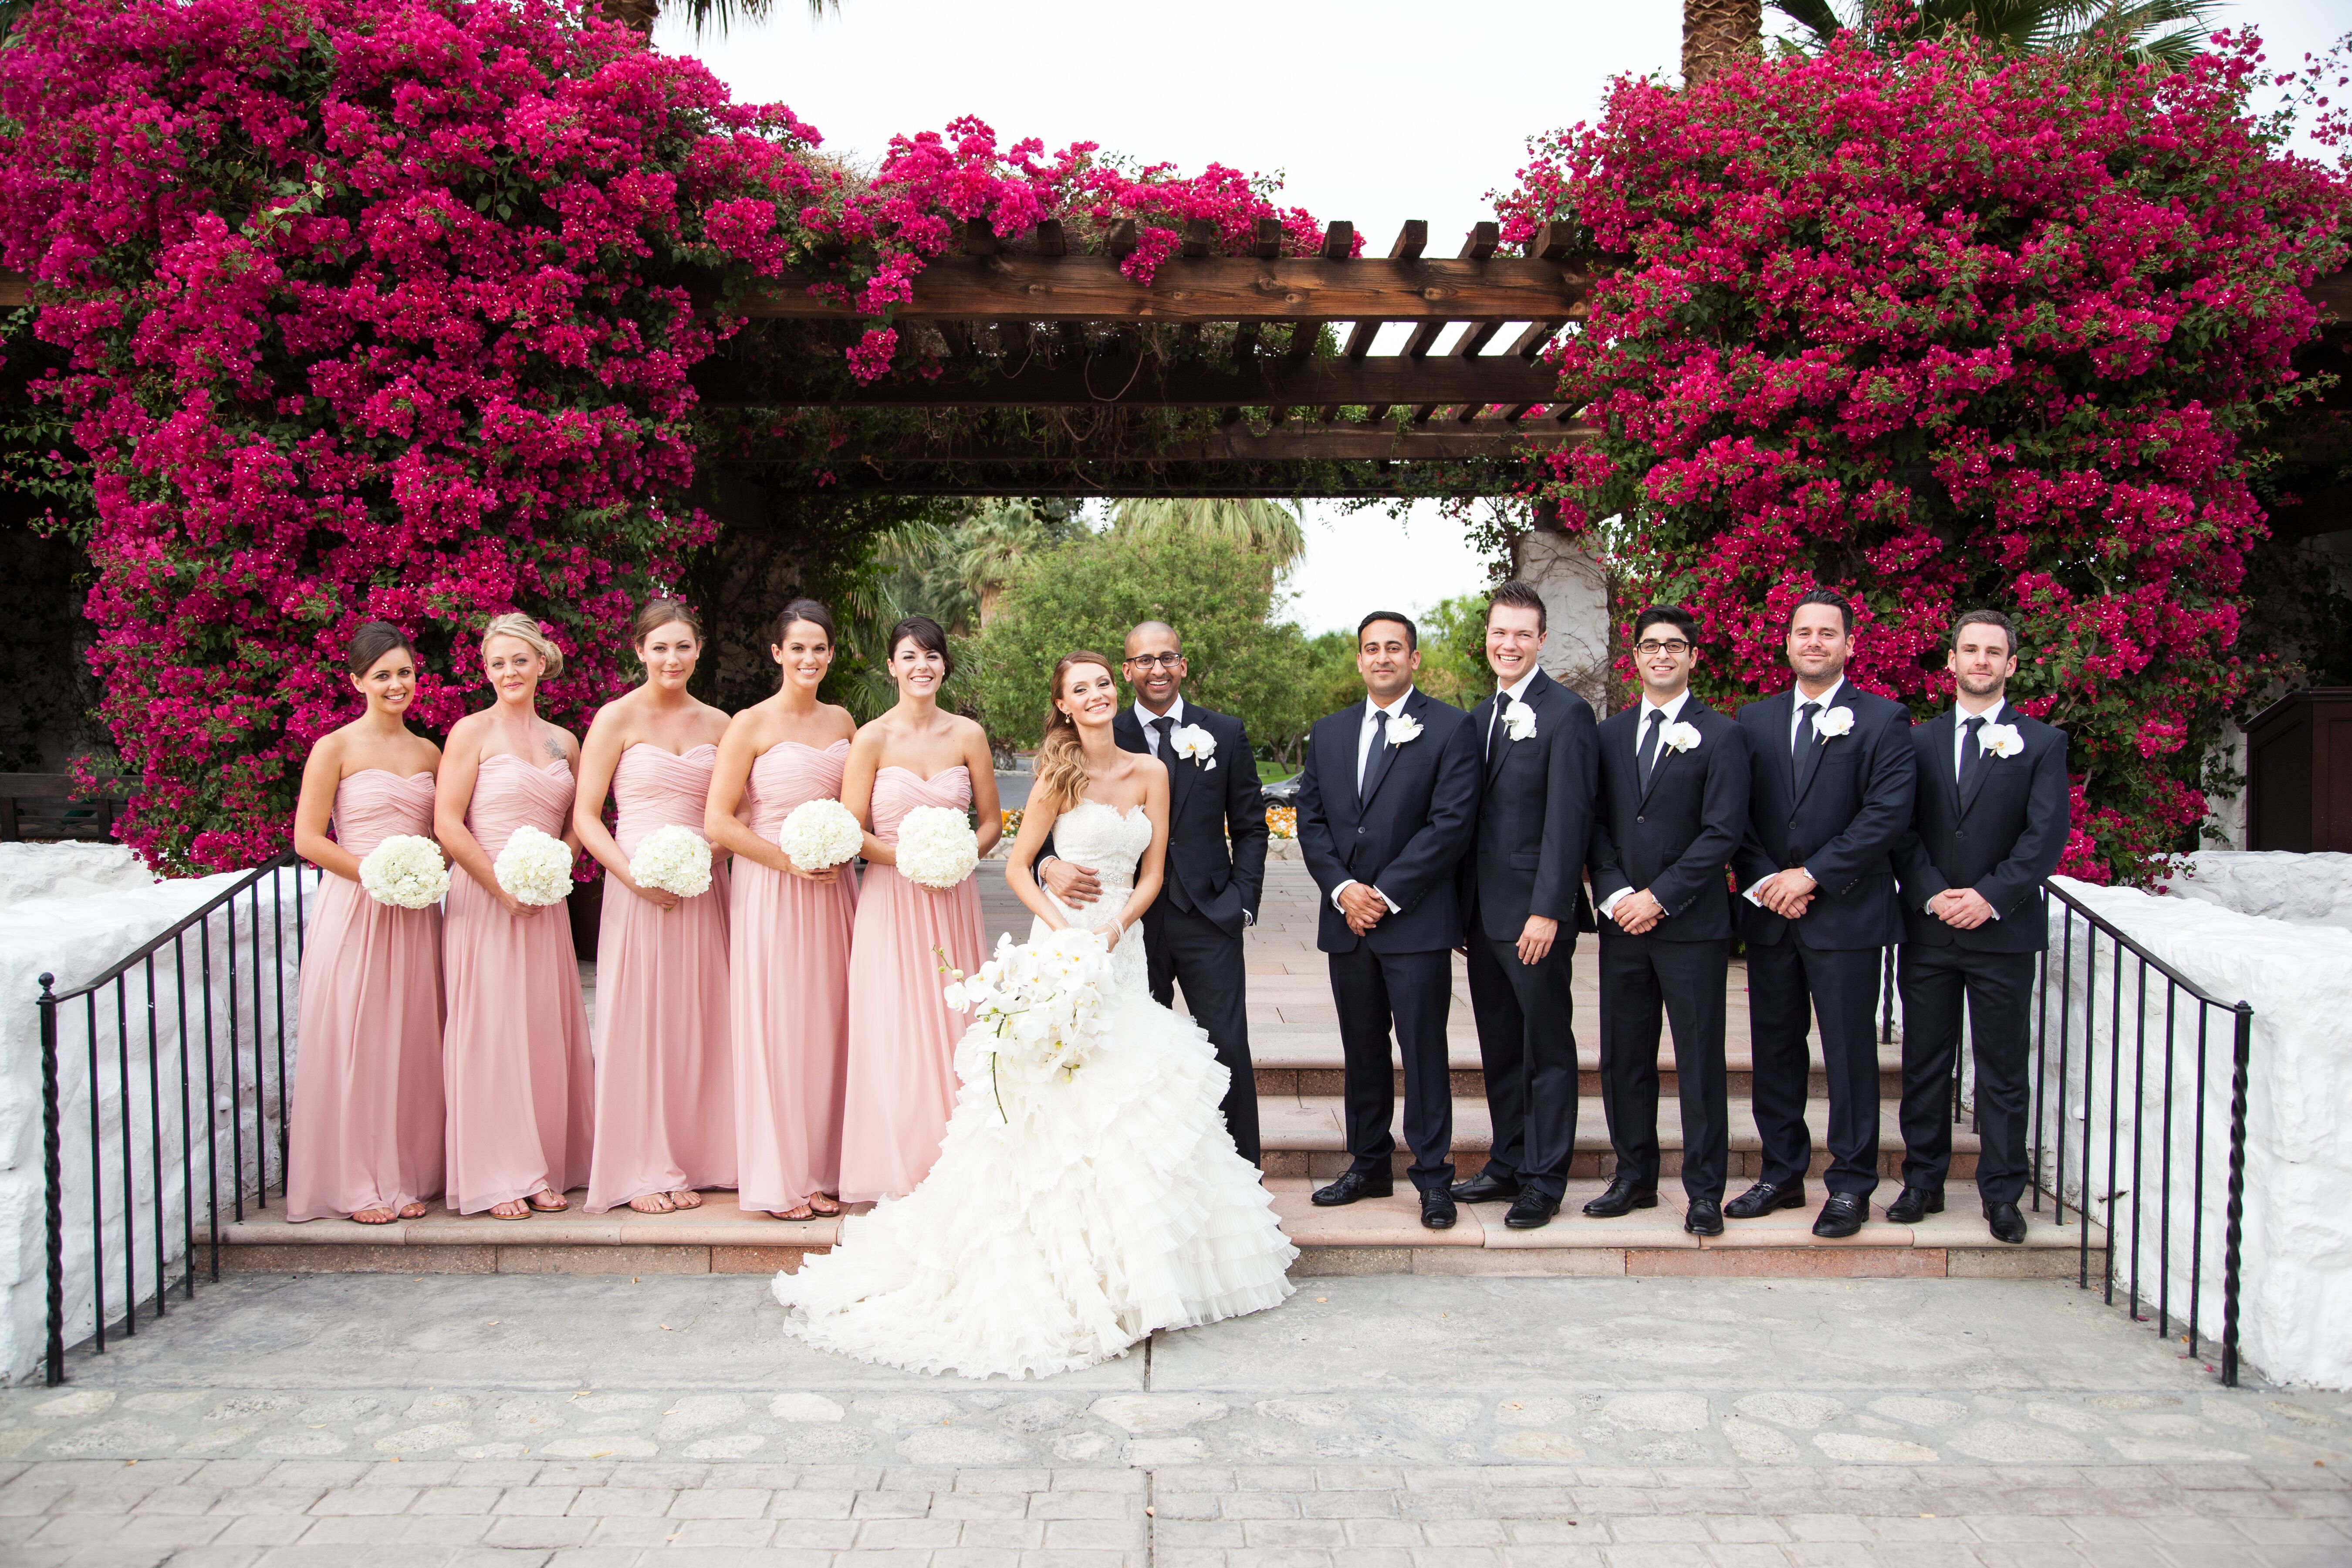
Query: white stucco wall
<point>77,938</point>
<point>2300,889</point>
<point>2296,1302</point>
<point>30,871</point>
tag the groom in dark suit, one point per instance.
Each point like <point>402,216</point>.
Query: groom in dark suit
<point>1215,867</point>
<point>1829,798</point>
<point>1386,803</point>
<point>1992,820</point>
<point>1523,900</point>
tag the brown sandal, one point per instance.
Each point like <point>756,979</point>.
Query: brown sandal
<point>558,1207</point>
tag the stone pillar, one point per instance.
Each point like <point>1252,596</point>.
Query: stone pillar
<point>1577,612</point>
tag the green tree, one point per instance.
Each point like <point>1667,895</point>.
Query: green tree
<point>1454,651</point>
<point>2131,28</point>
<point>1089,593</point>
<point>1269,528</point>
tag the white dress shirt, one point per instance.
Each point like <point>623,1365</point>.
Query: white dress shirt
<point>1510,694</point>
<point>1797,716</point>
<point>1961,717</point>
<point>1672,709</point>
<point>1366,731</point>
<point>1146,717</point>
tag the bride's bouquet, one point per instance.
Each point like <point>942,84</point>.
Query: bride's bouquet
<point>1044,1000</point>
<point>534,867</point>
<point>405,872</point>
<point>936,846</point>
<point>820,835</point>
<point>674,859</point>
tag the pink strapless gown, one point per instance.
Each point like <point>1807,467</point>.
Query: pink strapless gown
<point>366,1130</point>
<point>519,1076</point>
<point>665,1090</point>
<point>788,994</point>
<point>902,1035</point>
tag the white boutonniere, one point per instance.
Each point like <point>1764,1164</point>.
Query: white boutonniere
<point>1680,737</point>
<point>1518,719</point>
<point>2001,740</point>
<point>1837,721</point>
<point>1402,728</point>
<point>1197,743</point>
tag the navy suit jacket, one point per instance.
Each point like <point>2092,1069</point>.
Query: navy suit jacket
<point>1535,815</point>
<point>1675,837</point>
<point>1406,837</point>
<point>1840,817</point>
<point>2001,836</point>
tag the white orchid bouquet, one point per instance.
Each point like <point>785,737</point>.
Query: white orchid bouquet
<point>534,866</point>
<point>673,858</point>
<point>405,871</point>
<point>937,846</point>
<point>1043,1003</point>
<point>820,835</point>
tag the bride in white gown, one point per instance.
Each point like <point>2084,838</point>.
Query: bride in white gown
<point>1067,1215</point>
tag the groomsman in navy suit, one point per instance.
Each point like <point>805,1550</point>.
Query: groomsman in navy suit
<point>1523,898</point>
<point>1673,797</point>
<point>1990,823</point>
<point>1829,799</point>
<point>1386,803</point>
<point>1215,863</point>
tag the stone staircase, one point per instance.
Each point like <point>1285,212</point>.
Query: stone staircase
<point>1295,1041</point>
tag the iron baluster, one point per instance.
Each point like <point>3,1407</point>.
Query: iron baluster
<point>2233,1233</point>
<point>53,1182</point>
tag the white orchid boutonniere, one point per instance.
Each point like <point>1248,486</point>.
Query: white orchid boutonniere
<point>1402,728</point>
<point>1197,743</point>
<point>1679,737</point>
<point>1518,719</point>
<point>2001,740</point>
<point>1837,721</point>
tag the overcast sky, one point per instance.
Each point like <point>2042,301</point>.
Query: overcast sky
<point>1374,111</point>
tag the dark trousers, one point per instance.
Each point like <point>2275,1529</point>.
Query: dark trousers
<point>1640,977</point>
<point>1789,986</point>
<point>1188,950</point>
<point>1999,986</point>
<point>1414,991</point>
<point>1526,1044</point>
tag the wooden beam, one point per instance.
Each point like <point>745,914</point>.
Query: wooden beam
<point>979,240</point>
<point>1051,240</point>
<point>1339,241</point>
<point>1411,240</point>
<point>1289,444</point>
<point>1550,243</point>
<point>1268,243</point>
<point>1200,238</point>
<point>1485,239</point>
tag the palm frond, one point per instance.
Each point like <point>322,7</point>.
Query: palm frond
<point>1270,528</point>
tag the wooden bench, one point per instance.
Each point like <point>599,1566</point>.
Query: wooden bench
<point>45,807</point>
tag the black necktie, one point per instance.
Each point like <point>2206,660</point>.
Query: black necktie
<point>1494,730</point>
<point>1367,775</point>
<point>1804,729</point>
<point>1647,757</point>
<point>1969,749</point>
<point>1166,725</point>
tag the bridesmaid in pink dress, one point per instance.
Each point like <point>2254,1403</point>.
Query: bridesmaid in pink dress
<point>787,961</point>
<point>902,1037</point>
<point>665,1090</point>
<point>365,1140</point>
<point>517,1067</point>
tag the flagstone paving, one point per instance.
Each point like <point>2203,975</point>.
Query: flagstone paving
<point>1393,1420</point>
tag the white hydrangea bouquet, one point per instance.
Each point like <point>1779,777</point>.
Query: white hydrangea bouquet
<point>1043,1002</point>
<point>534,867</point>
<point>673,858</point>
<point>405,871</point>
<point>820,835</point>
<point>937,846</point>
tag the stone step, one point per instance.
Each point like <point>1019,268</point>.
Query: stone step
<point>1377,1236</point>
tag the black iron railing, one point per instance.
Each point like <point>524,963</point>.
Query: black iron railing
<point>199,1016</point>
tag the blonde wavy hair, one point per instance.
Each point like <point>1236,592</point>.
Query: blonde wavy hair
<point>1061,770</point>
<point>524,630</point>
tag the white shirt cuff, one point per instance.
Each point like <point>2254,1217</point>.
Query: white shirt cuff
<point>1394,908</point>
<point>1750,894</point>
<point>1610,902</point>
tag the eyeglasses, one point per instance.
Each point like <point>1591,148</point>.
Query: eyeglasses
<point>1651,645</point>
<point>1154,660</point>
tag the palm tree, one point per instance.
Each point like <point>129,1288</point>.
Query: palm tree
<point>1718,31</point>
<point>991,548</point>
<point>708,16</point>
<point>2021,26</point>
<point>1271,527</point>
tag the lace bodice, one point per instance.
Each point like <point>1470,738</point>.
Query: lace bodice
<point>1110,843</point>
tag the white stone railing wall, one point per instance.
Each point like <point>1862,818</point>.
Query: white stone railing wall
<point>76,939</point>
<point>2120,1110</point>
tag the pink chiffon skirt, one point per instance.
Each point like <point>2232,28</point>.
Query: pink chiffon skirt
<point>788,1006</point>
<point>902,1034</point>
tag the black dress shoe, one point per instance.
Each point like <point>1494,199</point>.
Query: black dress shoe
<point>1841,1214</point>
<point>1484,1188</point>
<point>1623,1196</point>
<point>2006,1224</point>
<point>1763,1198</point>
<point>1437,1211</point>
<point>1531,1210</point>
<point>1353,1185</point>
<point>1915,1205</point>
<point>1704,1218</point>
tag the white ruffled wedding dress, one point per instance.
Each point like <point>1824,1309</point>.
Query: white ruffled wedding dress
<point>1055,1232</point>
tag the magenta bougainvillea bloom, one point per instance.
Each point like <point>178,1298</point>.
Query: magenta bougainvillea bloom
<point>381,308</point>
<point>1954,331</point>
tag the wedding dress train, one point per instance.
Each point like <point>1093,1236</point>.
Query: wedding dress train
<point>1067,1217</point>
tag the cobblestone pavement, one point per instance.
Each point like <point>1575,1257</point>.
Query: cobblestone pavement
<point>1388,1420</point>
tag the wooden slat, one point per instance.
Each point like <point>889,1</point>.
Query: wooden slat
<point>1267,243</point>
<point>1531,341</point>
<point>1550,243</point>
<point>1339,240</point>
<point>1121,241</point>
<point>1051,240</point>
<point>1411,240</point>
<point>1288,443</point>
<point>1485,239</point>
<point>979,240</point>
<point>1200,238</point>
